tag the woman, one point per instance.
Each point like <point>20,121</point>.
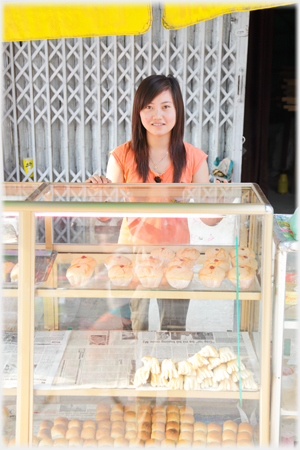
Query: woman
<point>156,153</point>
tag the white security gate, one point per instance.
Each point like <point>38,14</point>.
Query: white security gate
<point>67,103</point>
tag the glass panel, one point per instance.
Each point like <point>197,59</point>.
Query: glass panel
<point>291,287</point>
<point>18,191</point>
<point>9,326</point>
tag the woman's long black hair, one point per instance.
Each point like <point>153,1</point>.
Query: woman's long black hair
<point>149,88</point>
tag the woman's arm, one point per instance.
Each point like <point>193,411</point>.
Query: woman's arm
<point>114,174</point>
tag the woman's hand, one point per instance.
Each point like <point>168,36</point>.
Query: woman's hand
<point>96,179</point>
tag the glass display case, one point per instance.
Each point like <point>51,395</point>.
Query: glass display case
<point>284,411</point>
<point>131,308</point>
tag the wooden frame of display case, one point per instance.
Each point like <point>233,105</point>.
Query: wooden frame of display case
<point>26,295</point>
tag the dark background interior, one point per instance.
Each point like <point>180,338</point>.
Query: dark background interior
<point>269,128</point>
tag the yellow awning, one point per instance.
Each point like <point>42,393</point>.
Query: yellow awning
<point>177,15</point>
<point>26,22</point>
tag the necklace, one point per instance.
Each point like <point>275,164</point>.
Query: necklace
<point>155,165</point>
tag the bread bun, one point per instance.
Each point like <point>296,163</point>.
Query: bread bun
<point>230,425</point>
<point>172,434</point>
<point>136,443</point>
<point>186,410</point>
<point>228,435</point>
<point>112,260</point>
<point>144,426</point>
<point>158,435</point>
<point>173,417</point>
<point>144,417</point>
<point>187,418</point>
<point>89,423</point>
<point>217,253</point>
<point>200,436</point>
<point>213,426</point>
<point>102,416</point>
<point>145,408</point>
<point>186,436</point>
<point>152,443</point>
<point>171,425</point>
<point>172,409</point>
<point>116,416</point>
<point>199,444</point>
<point>46,442</point>
<point>243,435</point>
<point>75,423</point>
<point>120,275</point>
<point>75,442</point>
<point>103,407</point>
<point>88,433</point>
<point>131,434</point>
<point>200,426</point>
<point>35,441</point>
<point>212,276</point>
<point>188,252</point>
<point>246,276</point>
<point>159,417</point>
<point>167,443</point>
<point>184,443</point>
<point>159,409</point>
<point>73,432</point>
<point>102,432</point>
<point>214,436</point>
<point>117,408</point>
<point>58,431</point>
<point>46,424</point>
<point>179,277</point>
<point>130,407</point>
<point>118,424</point>
<point>228,443</point>
<point>243,251</point>
<point>117,433</point>
<point>90,443</point>
<point>44,433</point>
<point>61,442</point>
<point>104,424</point>
<point>159,426</point>
<point>130,416</point>
<point>61,421</point>
<point>245,426</point>
<point>143,435</point>
<point>106,442</point>
<point>131,426</point>
<point>187,427</point>
<point>121,442</point>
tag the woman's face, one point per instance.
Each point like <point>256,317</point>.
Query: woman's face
<point>159,117</point>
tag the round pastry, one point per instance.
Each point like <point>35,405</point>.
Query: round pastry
<point>117,408</point>
<point>145,408</point>
<point>61,442</point>
<point>152,443</point>
<point>79,274</point>
<point>200,436</point>
<point>118,424</point>
<point>186,436</point>
<point>243,251</point>
<point>58,431</point>
<point>147,261</point>
<point>104,424</point>
<point>228,435</point>
<point>246,276</point>
<point>200,426</point>
<point>88,433</point>
<point>230,425</point>
<point>130,407</point>
<point>187,418</point>
<point>117,433</point>
<point>114,260</point>
<point>172,434</point>
<point>228,443</point>
<point>242,436</point>
<point>212,276</point>
<point>168,443</point>
<point>130,416</point>
<point>130,435</point>
<point>179,277</point>
<point>159,409</point>
<point>173,417</point>
<point>75,442</point>
<point>199,444</point>
<point>14,274</point>
<point>75,423</point>
<point>144,435</point>
<point>35,441</point>
<point>159,426</point>
<point>172,408</point>
<point>89,423</point>
<point>102,432</point>
<point>164,254</point>
<point>116,416</point>
<point>245,426</point>
<point>46,424</point>
<point>186,410</point>
<point>121,442</point>
<point>214,436</point>
<point>46,442</point>
<point>184,443</point>
<point>103,408</point>
<point>145,426</point>
<point>158,435</point>
<point>131,426</point>
<point>159,417</point>
<point>217,253</point>
<point>84,260</point>
<point>218,263</point>
<point>90,443</point>
<point>245,443</point>
<point>136,443</point>
<point>144,417</point>
<point>245,261</point>
<point>102,416</point>
<point>120,275</point>
<point>213,426</point>
<point>172,426</point>
<point>187,427</point>
<point>73,432</point>
<point>61,421</point>
<point>150,276</point>
<point>44,433</point>
<point>189,263</point>
<point>106,442</point>
<point>189,253</point>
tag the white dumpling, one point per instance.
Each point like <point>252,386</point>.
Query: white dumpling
<point>233,366</point>
<point>190,383</point>
<point>184,368</point>
<point>176,383</point>
<point>214,362</point>
<point>244,374</point>
<point>197,361</point>
<point>226,354</point>
<point>141,376</point>
<point>220,373</point>
<point>168,369</point>
<point>209,351</point>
